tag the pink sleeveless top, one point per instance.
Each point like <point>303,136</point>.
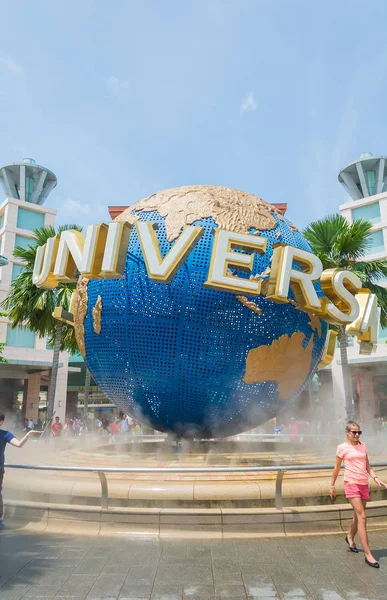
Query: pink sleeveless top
<point>355,463</point>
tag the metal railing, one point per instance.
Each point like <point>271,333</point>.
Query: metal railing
<point>280,470</point>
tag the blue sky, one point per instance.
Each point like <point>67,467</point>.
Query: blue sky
<point>272,97</point>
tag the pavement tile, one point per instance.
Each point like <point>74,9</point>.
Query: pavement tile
<point>224,564</point>
<point>14,591</point>
<point>257,579</point>
<point>44,576</point>
<point>377,587</point>
<point>72,597</point>
<point>42,591</point>
<point>310,577</point>
<point>291,592</point>
<point>107,584</point>
<point>190,592</point>
<point>328,592</point>
<point>73,553</point>
<point>260,586</point>
<point>188,575</point>
<point>137,591</point>
<point>93,597</point>
<point>250,571</point>
<point>96,552</point>
<point>372,577</point>
<point>116,569</point>
<point>284,576</point>
<point>78,586</point>
<point>356,595</point>
<point>167,592</point>
<point>198,551</point>
<point>141,574</point>
<point>259,592</point>
<point>229,578</point>
<point>79,595</point>
<point>222,549</point>
<point>229,590</point>
<point>130,597</point>
<point>195,597</point>
<point>166,596</point>
<point>236,597</point>
<point>90,566</point>
<point>297,553</point>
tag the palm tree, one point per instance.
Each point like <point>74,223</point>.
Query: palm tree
<point>2,344</point>
<point>32,307</point>
<point>340,244</point>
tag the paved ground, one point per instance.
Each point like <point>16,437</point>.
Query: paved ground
<point>316,568</point>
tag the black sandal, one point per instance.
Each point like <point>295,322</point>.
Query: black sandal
<point>372,564</point>
<point>351,548</point>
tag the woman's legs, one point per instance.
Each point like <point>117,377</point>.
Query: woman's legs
<point>359,506</point>
<point>353,530</point>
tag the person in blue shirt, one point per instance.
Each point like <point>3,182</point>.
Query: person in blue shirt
<point>6,437</point>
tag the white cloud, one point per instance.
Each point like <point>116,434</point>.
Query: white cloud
<point>74,207</point>
<point>114,84</point>
<point>10,64</point>
<point>249,104</point>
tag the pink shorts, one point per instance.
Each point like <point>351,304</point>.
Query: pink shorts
<point>356,490</point>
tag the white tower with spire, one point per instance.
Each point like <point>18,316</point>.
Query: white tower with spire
<point>26,187</point>
<point>365,181</point>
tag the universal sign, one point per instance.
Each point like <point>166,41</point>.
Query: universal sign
<point>102,254</point>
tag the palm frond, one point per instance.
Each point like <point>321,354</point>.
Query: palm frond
<point>375,270</point>
<point>354,241</point>
<point>340,244</point>
<point>32,307</point>
<point>323,234</point>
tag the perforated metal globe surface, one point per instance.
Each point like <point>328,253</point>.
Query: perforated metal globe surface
<point>192,360</point>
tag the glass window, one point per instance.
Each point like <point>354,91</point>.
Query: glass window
<point>21,240</point>
<point>376,242</point>
<point>370,212</point>
<point>371,182</point>
<point>29,219</point>
<point>2,221</point>
<point>16,270</point>
<point>20,337</point>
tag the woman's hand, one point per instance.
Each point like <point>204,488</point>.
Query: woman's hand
<point>380,483</point>
<point>332,492</point>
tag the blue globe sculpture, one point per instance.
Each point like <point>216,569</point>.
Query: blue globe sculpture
<point>187,359</point>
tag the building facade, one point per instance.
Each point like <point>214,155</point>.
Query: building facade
<point>24,380</point>
<point>365,181</point>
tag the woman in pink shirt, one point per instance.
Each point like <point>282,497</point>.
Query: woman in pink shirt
<point>356,471</point>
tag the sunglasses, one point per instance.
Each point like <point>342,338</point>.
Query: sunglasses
<point>356,432</point>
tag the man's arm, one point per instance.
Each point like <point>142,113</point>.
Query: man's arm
<point>20,443</point>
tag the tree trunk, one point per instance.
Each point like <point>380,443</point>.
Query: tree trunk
<point>87,390</point>
<point>54,371</point>
<point>346,373</point>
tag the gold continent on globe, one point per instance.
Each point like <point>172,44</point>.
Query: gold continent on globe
<point>284,361</point>
<point>230,209</point>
